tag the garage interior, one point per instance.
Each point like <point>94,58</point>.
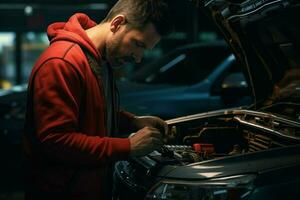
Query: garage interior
<point>23,38</point>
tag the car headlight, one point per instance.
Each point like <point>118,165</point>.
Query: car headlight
<point>227,188</point>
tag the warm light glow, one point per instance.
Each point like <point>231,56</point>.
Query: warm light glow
<point>207,167</point>
<point>210,174</point>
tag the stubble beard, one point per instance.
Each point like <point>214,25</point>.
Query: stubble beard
<point>112,51</point>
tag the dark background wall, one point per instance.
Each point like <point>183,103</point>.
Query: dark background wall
<point>21,15</point>
<point>33,16</point>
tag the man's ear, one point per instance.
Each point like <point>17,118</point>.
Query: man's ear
<point>116,22</point>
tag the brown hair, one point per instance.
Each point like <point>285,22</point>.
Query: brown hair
<point>139,13</point>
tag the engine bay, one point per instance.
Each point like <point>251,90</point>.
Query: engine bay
<point>215,137</point>
<point>201,138</point>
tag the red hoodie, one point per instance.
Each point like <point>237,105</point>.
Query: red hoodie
<point>66,115</point>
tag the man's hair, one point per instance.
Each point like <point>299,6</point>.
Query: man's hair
<point>139,13</point>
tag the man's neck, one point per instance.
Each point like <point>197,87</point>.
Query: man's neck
<point>98,35</point>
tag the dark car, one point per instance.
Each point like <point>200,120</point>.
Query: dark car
<point>233,154</point>
<point>193,78</point>
<point>12,113</point>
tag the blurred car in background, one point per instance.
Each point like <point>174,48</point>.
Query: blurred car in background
<point>193,78</point>
<point>12,114</point>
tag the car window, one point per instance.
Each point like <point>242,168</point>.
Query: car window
<point>184,67</point>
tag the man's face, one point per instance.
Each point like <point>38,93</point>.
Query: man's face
<point>128,44</point>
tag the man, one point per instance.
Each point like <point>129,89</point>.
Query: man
<point>72,109</point>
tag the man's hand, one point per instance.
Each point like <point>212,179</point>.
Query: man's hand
<point>140,122</point>
<point>145,141</point>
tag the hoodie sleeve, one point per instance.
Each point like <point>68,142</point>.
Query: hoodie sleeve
<point>57,94</point>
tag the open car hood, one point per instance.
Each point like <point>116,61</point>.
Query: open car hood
<point>264,36</point>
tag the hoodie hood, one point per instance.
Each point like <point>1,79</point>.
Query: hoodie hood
<point>74,31</point>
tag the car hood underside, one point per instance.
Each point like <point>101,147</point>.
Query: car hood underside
<point>264,36</point>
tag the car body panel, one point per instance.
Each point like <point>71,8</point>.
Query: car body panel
<point>256,163</point>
